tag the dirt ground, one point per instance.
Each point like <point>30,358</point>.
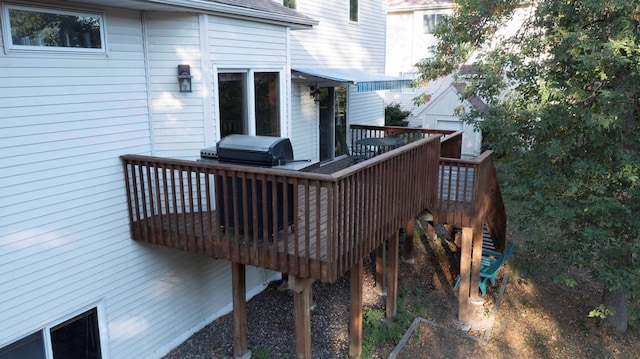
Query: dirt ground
<point>536,317</point>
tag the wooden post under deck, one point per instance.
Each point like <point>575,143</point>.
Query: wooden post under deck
<point>465,268</point>
<point>476,263</point>
<point>408,242</point>
<point>381,275</point>
<point>239,292</point>
<point>392,275</point>
<point>355,310</point>
<point>301,288</point>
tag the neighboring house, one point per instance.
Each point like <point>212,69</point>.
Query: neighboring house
<point>84,82</point>
<point>410,25</point>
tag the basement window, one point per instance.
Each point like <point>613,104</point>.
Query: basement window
<point>78,338</point>
<point>43,29</point>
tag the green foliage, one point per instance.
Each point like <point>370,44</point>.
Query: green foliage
<point>395,116</point>
<point>601,312</point>
<point>377,329</point>
<point>258,353</point>
<point>563,99</point>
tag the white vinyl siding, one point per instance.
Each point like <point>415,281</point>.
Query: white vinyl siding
<point>304,127</point>
<point>337,42</point>
<point>64,120</point>
<point>365,108</point>
<point>178,119</point>
<point>64,229</point>
<point>238,43</point>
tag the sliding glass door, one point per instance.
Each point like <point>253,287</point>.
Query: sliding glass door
<point>333,123</point>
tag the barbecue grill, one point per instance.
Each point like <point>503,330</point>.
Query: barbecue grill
<point>256,151</point>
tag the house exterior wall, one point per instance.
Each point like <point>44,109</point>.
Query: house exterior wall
<point>64,232</point>
<point>337,43</point>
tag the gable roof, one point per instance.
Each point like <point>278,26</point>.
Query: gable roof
<point>474,100</point>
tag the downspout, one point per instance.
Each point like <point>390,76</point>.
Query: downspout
<point>207,82</point>
<point>145,49</point>
<point>288,125</point>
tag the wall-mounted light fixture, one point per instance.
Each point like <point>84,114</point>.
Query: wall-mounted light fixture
<point>314,93</point>
<point>184,78</point>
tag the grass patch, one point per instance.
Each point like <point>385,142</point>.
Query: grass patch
<point>379,330</point>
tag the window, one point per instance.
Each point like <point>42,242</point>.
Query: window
<point>78,337</point>
<point>34,28</point>
<point>291,4</point>
<point>258,115</point>
<point>31,346</point>
<point>353,10</point>
<point>429,23</point>
<point>267,112</point>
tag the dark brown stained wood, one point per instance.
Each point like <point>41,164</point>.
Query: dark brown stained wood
<point>239,289</point>
<point>465,273</point>
<point>302,314</point>
<point>468,192</point>
<point>381,268</point>
<point>476,260</point>
<point>392,276</point>
<point>355,310</point>
<point>408,241</point>
<point>337,219</point>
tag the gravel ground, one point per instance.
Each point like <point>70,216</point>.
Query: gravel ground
<point>270,323</point>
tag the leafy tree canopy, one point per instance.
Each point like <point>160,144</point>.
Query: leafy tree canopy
<point>563,97</point>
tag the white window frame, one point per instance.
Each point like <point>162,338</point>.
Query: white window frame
<point>10,46</point>
<point>250,90</point>
<point>46,330</point>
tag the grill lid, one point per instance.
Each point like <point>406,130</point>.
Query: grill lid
<point>254,150</point>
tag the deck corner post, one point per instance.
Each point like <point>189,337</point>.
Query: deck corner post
<point>465,268</point>
<point>476,263</point>
<point>408,242</point>
<point>355,310</point>
<point>239,292</point>
<point>301,288</point>
<point>381,275</point>
<point>392,275</point>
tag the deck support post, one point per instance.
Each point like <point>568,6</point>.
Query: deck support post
<point>239,292</point>
<point>301,288</point>
<point>476,263</point>
<point>355,310</point>
<point>407,256</point>
<point>392,275</point>
<point>381,275</point>
<point>465,271</point>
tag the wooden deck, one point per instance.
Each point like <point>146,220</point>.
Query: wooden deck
<point>336,219</point>
<point>200,233</point>
<point>323,224</point>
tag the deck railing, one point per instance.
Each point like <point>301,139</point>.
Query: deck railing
<point>468,190</point>
<point>305,224</point>
<point>451,141</point>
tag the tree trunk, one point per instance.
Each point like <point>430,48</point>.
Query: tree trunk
<point>618,301</point>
